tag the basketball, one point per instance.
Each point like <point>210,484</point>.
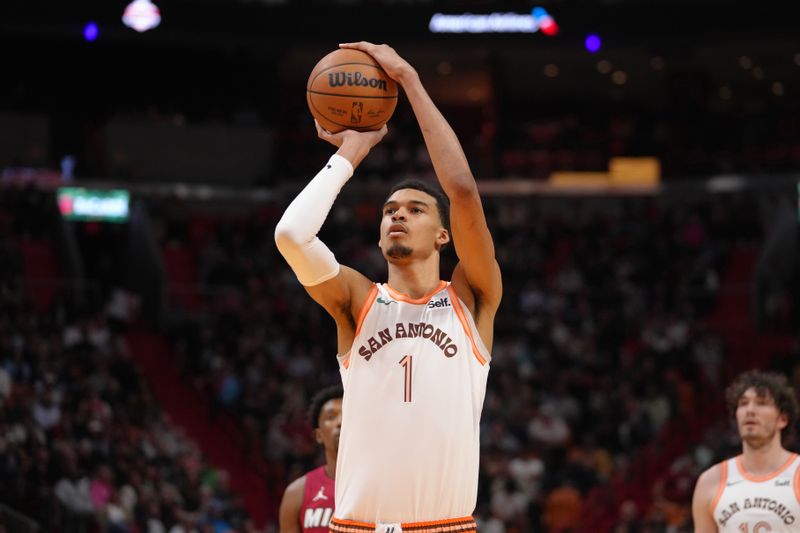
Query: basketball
<point>348,89</point>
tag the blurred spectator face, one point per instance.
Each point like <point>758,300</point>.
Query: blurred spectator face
<point>628,511</point>
<point>330,423</point>
<point>759,419</point>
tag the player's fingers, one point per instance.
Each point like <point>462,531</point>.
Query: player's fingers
<point>364,46</point>
<point>322,133</point>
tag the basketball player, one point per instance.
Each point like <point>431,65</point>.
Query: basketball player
<point>307,503</point>
<point>758,491</point>
<point>413,352</point>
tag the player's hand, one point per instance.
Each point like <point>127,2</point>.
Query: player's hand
<point>367,139</point>
<point>395,66</point>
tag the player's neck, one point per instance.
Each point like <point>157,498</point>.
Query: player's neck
<point>330,464</point>
<point>415,279</point>
<point>764,460</point>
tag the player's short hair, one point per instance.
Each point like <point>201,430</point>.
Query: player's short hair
<point>765,384</point>
<point>334,392</point>
<point>442,201</point>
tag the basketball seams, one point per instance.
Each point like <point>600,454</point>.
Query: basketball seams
<point>351,96</point>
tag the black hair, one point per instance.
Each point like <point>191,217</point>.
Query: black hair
<point>442,201</point>
<point>765,384</point>
<point>321,398</point>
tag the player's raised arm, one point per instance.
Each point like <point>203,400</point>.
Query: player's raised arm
<point>471,237</point>
<point>337,288</point>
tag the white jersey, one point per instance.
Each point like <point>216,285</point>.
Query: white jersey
<point>757,504</point>
<point>414,383</point>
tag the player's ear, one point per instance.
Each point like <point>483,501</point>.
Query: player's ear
<point>443,237</point>
<point>783,421</point>
<point>318,436</point>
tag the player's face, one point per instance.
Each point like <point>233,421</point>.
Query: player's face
<point>330,424</point>
<point>759,419</point>
<point>411,225</point>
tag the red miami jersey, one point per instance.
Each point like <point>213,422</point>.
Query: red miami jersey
<point>317,507</point>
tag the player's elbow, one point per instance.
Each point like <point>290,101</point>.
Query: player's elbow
<point>286,238</point>
<point>462,186</point>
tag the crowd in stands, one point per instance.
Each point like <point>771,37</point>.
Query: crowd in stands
<point>750,133</point>
<point>84,448</point>
<point>600,342</point>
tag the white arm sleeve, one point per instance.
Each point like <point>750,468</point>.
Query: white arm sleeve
<point>296,232</point>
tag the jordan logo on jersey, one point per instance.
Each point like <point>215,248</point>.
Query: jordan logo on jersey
<point>320,495</point>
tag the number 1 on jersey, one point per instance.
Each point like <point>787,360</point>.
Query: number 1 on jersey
<point>758,528</point>
<point>406,363</point>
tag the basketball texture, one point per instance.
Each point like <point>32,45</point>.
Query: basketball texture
<point>349,90</point>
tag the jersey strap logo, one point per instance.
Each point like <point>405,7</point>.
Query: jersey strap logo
<point>441,303</point>
<point>385,302</point>
<point>320,495</point>
<point>782,482</point>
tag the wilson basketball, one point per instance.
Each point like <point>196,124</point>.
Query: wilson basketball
<point>349,90</point>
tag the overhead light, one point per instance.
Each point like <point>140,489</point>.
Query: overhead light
<point>592,43</point>
<point>141,15</point>
<point>90,31</point>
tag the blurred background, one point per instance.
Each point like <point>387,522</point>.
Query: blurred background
<point>640,168</point>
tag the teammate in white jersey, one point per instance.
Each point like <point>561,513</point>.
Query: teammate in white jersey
<point>759,490</point>
<point>413,352</point>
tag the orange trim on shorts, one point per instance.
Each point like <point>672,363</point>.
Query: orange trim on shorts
<point>465,324</point>
<point>767,477</point>
<point>362,314</point>
<point>723,478</point>
<point>797,484</point>
<point>452,525</point>
<point>416,301</point>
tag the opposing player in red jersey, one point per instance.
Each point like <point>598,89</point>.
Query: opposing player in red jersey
<point>307,504</point>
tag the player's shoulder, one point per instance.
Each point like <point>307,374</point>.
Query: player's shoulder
<point>708,482</point>
<point>296,487</point>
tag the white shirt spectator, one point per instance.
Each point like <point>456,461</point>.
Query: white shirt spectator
<point>75,495</point>
<point>47,416</point>
<point>548,428</point>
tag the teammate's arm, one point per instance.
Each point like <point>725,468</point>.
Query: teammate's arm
<point>471,237</point>
<point>340,290</point>
<point>289,514</point>
<point>704,493</point>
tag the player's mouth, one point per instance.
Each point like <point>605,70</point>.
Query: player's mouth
<point>397,230</point>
